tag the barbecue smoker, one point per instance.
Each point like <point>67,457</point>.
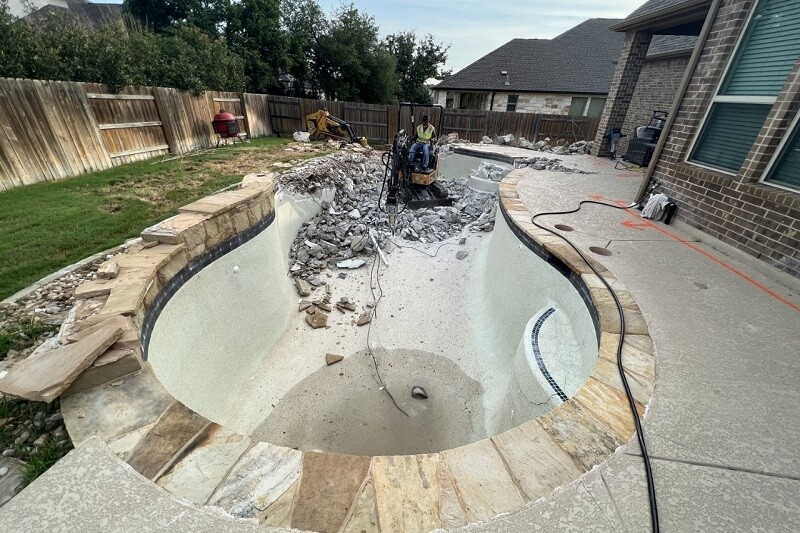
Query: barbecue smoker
<point>227,127</point>
<point>641,148</point>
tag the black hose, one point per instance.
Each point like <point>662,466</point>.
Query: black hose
<point>651,488</point>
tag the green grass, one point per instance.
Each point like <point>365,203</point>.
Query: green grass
<point>19,335</point>
<point>31,416</point>
<point>47,226</point>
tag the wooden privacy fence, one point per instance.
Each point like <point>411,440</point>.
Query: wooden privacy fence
<point>50,130</point>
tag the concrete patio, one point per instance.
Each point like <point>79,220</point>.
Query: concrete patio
<point>721,428</point>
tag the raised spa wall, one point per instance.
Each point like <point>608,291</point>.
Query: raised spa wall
<point>181,450</point>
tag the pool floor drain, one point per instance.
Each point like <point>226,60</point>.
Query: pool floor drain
<point>599,250</point>
<point>564,227</point>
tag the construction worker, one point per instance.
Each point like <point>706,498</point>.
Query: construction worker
<point>423,138</point>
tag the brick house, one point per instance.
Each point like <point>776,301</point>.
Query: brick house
<point>730,152</point>
<point>567,75</point>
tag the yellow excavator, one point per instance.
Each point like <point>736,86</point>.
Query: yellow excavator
<point>321,124</point>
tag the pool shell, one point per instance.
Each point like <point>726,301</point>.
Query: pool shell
<point>210,465</point>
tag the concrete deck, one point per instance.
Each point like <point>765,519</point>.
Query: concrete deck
<point>722,427</point>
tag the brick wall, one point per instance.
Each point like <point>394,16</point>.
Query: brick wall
<point>623,85</point>
<point>658,83</point>
<point>761,220</point>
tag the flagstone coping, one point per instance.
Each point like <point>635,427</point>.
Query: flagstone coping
<point>211,466</point>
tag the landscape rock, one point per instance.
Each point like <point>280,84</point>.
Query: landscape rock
<point>108,270</point>
<point>462,254</point>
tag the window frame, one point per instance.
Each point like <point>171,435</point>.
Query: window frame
<point>727,99</point>
<point>776,157</point>
<point>508,104</point>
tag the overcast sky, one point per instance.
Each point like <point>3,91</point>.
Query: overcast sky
<point>476,27</point>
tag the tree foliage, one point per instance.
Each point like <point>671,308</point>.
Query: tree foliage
<point>350,61</point>
<point>417,61</point>
<point>60,47</point>
<point>254,45</point>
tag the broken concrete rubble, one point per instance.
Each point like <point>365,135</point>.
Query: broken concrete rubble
<point>332,359</point>
<point>365,318</point>
<point>317,320</point>
<point>340,233</point>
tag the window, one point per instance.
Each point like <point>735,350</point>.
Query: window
<point>754,78</point>
<point>785,172</point>
<point>577,106</point>
<point>596,106</point>
<point>512,102</point>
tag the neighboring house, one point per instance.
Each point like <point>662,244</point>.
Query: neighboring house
<point>94,14</point>
<point>730,154</point>
<point>20,8</point>
<point>567,75</point>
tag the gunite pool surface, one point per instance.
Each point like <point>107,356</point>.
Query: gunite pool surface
<point>492,337</point>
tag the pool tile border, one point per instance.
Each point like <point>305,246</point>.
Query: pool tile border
<point>413,493</point>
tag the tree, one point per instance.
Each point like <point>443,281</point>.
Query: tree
<point>160,15</point>
<point>351,62</point>
<point>416,62</point>
<point>302,22</point>
<point>253,31</point>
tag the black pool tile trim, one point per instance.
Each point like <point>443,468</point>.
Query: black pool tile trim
<point>558,264</point>
<point>537,353</point>
<point>189,271</point>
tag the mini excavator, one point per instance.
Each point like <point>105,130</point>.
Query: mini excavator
<point>408,184</point>
<point>321,124</point>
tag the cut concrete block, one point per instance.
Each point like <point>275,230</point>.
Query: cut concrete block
<point>44,376</point>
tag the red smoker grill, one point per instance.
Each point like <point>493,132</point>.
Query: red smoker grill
<point>227,127</point>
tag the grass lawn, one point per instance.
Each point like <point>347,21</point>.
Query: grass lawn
<point>50,225</point>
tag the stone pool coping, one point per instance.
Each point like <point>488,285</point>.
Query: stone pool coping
<point>126,407</point>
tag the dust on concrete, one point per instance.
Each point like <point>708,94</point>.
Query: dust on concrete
<point>341,409</point>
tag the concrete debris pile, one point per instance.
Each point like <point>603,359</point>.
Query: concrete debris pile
<point>577,147</point>
<point>352,224</point>
<point>490,171</point>
<point>544,163</point>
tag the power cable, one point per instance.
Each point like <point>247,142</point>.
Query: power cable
<point>651,489</point>
<point>375,271</point>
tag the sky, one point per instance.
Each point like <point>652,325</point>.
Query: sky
<point>474,28</point>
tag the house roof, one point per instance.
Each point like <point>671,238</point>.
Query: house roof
<point>671,45</point>
<point>580,60</point>
<point>660,14</point>
<point>95,14</point>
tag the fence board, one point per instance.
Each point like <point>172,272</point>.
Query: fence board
<point>256,111</point>
<point>51,130</point>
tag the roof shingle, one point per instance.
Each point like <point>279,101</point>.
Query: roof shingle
<point>580,60</point>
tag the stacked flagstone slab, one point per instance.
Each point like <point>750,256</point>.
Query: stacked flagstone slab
<point>197,459</point>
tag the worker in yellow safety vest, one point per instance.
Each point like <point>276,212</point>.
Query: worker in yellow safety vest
<point>423,138</point>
